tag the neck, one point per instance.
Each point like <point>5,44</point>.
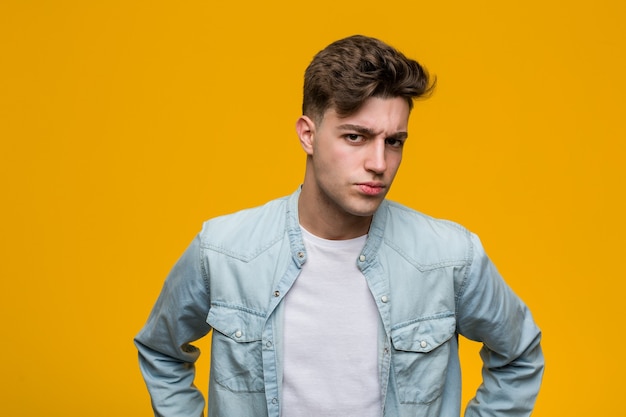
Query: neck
<point>324,219</point>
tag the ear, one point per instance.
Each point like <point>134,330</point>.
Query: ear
<point>306,132</point>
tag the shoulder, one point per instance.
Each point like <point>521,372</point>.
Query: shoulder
<point>248,229</point>
<point>426,239</point>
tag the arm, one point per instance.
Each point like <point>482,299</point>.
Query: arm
<point>166,358</point>
<point>489,312</point>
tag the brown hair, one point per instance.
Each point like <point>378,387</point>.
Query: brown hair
<point>349,71</point>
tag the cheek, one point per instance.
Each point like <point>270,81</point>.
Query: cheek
<point>393,163</point>
<point>333,158</point>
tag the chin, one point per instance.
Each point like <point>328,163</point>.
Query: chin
<point>364,211</point>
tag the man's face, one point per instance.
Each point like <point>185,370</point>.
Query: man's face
<point>354,159</point>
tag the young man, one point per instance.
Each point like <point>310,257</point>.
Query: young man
<point>334,302</point>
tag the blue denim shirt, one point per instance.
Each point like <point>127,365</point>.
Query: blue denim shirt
<point>431,281</point>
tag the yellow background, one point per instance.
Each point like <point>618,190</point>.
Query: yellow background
<point>125,124</point>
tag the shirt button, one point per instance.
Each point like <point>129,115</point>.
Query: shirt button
<point>238,334</point>
<point>386,351</point>
<point>384,298</point>
<point>268,344</point>
<point>274,400</point>
<point>276,293</point>
<point>300,255</point>
<point>423,344</point>
<point>362,258</point>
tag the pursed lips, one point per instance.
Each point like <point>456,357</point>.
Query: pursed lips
<point>371,188</point>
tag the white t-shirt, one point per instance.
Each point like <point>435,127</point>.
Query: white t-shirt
<point>331,329</point>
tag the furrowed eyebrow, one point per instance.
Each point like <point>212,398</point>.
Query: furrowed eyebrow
<point>370,132</point>
<point>357,128</point>
<point>399,136</point>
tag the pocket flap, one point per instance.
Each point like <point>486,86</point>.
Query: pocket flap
<point>423,335</point>
<point>235,323</point>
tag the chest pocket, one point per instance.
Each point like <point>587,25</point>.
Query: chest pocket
<point>237,363</point>
<point>420,358</point>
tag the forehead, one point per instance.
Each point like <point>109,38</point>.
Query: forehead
<point>380,113</point>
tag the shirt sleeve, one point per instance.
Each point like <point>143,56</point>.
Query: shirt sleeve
<point>489,312</point>
<point>166,357</point>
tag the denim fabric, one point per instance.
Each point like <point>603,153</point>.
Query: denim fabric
<point>431,280</point>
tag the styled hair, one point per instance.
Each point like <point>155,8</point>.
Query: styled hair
<point>347,72</point>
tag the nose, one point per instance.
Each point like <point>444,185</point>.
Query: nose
<point>375,157</point>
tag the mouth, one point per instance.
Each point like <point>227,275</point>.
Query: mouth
<point>371,188</point>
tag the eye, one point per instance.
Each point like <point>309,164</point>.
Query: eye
<point>395,143</point>
<point>354,138</point>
